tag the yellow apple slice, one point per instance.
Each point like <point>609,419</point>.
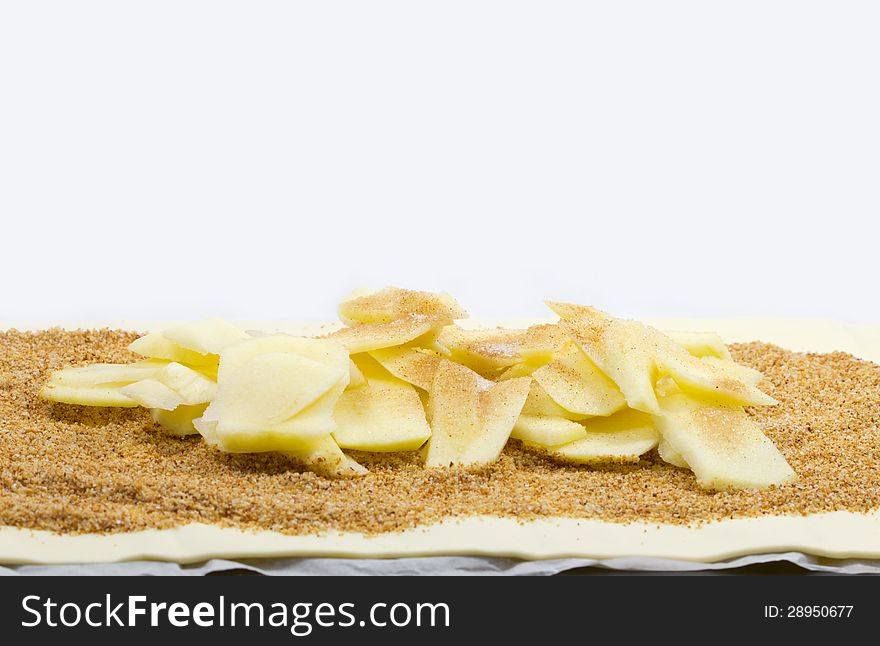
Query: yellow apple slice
<point>412,365</point>
<point>524,369</point>
<point>324,457</point>
<point>489,351</point>
<point>369,368</point>
<point>211,336</point>
<point>229,439</point>
<point>317,417</point>
<point>547,431</point>
<point>500,407</point>
<point>386,414</point>
<point>318,350</point>
<point>393,303</point>
<point>454,414</point>
<point>735,370</point>
<point>471,418</point>
<point>269,388</point>
<point>152,393</point>
<point>209,370</point>
<point>105,373</point>
<point>574,382</point>
<point>540,404</point>
<point>431,343</point>
<point>710,379</point>
<point>180,420</point>
<point>275,392</point>
<point>700,344</point>
<point>722,445</point>
<point>156,346</point>
<point>623,350</point>
<point>192,386</point>
<point>292,434</point>
<point>668,454</point>
<point>622,437</point>
<point>635,355</point>
<point>367,337</point>
<point>319,453</point>
<point>355,376</point>
<point>104,395</point>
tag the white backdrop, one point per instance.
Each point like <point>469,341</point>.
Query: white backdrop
<point>174,159</point>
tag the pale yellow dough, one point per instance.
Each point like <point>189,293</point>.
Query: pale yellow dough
<point>838,534</point>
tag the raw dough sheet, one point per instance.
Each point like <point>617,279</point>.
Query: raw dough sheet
<point>486,545</point>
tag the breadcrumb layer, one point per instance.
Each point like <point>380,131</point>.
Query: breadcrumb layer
<point>94,470</point>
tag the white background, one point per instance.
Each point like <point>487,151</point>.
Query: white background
<point>262,159</point>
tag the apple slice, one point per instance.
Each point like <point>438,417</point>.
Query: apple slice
<point>488,351</point>
<point>192,386</point>
<point>540,404</point>
<point>500,407</point>
<point>317,417</point>
<point>386,414</point>
<point>270,388</point>
<point>547,431</point>
<point>374,336</point>
<point>103,395</point>
<point>471,418</point>
<point>700,344</point>
<point>393,303</point>
<point>722,445</point>
<point>716,380</point>
<point>211,336</point>
<point>454,414</point>
<point>735,370</point>
<point>275,392</point>
<point>622,437</point>
<point>574,382</point>
<point>292,437</point>
<point>356,378</point>
<point>156,346</point>
<point>524,369</point>
<point>412,365</point>
<point>210,370</point>
<point>324,457</point>
<point>152,393</point>
<point>668,454</point>
<point>318,453</point>
<point>623,350</point>
<point>241,432</point>
<point>180,420</point>
<point>106,373</point>
<point>634,356</point>
<point>321,351</point>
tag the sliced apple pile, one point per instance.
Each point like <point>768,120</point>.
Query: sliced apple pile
<point>401,375</point>
<point>98,384</point>
<point>179,372</point>
<point>695,399</point>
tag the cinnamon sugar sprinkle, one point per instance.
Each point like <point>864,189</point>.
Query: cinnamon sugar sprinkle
<point>76,469</point>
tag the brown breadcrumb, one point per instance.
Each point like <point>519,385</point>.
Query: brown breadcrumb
<point>75,469</point>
